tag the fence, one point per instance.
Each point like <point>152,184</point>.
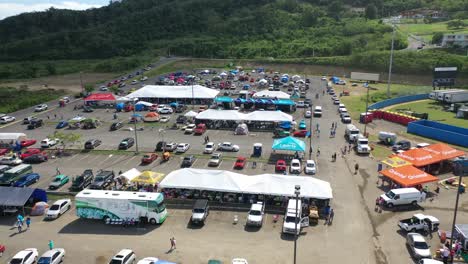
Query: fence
<point>438,131</point>
<point>398,100</point>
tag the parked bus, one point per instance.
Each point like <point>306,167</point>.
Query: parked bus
<point>13,174</point>
<point>118,205</point>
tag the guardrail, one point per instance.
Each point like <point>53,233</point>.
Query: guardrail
<point>398,100</point>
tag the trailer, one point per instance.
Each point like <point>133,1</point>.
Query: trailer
<point>433,95</point>
<point>456,97</point>
<point>440,96</point>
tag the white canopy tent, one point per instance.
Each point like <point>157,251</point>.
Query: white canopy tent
<point>213,114</point>
<point>269,116</point>
<point>129,175</point>
<point>271,94</point>
<point>179,92</point>
<point>12,136</point>
<point>226,181</point>
<point>234,115</point>
<point>191,114</point>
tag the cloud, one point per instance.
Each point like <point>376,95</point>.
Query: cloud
<point>11,9</point>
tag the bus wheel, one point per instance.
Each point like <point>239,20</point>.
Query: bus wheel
<point>153,221</point>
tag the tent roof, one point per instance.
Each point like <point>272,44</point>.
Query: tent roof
<point>419,157</point>
<point>130,174</point>
<point>168,91</point>
<point>444,151</point>
<point>227,181</point>
<point>289,144</point>
<point>144,103</point>
<point>100,97</point>
<point>271,94</point>
<point>408,176</point>
<point>148,177</point>
<point>11,136</point>
<point>267,116</point>
<point>15,196</point>
<point>273,116</point>
<point>214,114</point>
<point>395,162</point>
<point>191,114</point>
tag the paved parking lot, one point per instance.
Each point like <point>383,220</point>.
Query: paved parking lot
<point>358,234</point>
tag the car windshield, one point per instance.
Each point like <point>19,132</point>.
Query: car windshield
<point>16,261</point>
<point>255,212</point>
<point>215,157</point>
<point>198,210</point>
<point>240,161</point>
<point>390,194</point>
<point>420,245</point>
<point>310,165</point>
<point>146,156</point>
<point>100,178</point>
<point>291,219</point>
<point>295,164</point>
<point>44,260</point>
<point>209,146</point>
<point>54,207</point>
<point>57,179</point>
<point>115,261</point>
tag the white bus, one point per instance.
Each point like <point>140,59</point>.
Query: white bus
<point>13,174</point>
<point>118,205</point>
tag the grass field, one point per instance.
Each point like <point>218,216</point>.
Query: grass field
<point>427,30</point>
<point>435,111</point>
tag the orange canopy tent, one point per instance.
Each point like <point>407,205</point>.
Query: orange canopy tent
<point>420,157</point>
<point>408,176</point>
<point>444,151</point>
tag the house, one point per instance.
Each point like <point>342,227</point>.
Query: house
<point>452,39</point>
<point>423,13</point>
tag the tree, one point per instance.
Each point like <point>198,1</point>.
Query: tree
<point>456,24</point>
<point>89,88</point>
<point>114,88</point>
<point>437,38</point>
<point>67,138</point>
<point>335,9</point>
<point>371,12</point>
<point>51,70</point>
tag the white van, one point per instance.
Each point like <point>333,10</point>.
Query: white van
<point>317,111</point>
<point>292,217</point>
<point>403,196</point>
<point>351,132</point>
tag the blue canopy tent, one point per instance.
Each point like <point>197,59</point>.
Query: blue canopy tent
<point>284,79</point>
<point>289,144</point>
<point>140,107</point>
<point>335,79</point>
<point>120,106</point>
<point>224,99</point>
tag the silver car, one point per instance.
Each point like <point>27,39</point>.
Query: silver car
<point>53,256</point>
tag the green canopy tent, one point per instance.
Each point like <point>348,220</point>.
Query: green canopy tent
<point>289,144</point>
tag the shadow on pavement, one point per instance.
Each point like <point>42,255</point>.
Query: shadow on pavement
<point>86,226</point>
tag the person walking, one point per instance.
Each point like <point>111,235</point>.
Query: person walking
<point>426,229</point>
<point>28,222</point>
<point>318,151</point>
<point>20,226</point>
<point>173,246</point>
<point>207,139</point>
<point>51,244</point>
<point>356,168</point>
<point>349,148</point>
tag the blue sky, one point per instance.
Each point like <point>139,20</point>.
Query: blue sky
<point>14,7</point>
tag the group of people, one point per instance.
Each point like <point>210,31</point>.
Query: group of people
<point>329,215</point>
<point>20,222</point>
<point>333,129</point>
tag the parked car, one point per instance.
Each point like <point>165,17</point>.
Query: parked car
<point>25,256</point>
<point>209,148</point>
<point>148,260</point>
<point>255,214</point>
<point>188,161</point>
<point>308,114</point>
<point>4,151</point>
<point>215,159</point>
<point>12,160</point>
<point>82,181</point>
<point>300,133</point>
<point>166,110</point>
<point>53,256</point>
<point>182,147</point>
<point>49,142</point>
<point>417,222</point>
<point>116,126</point>
<point>228,146</point>
<point>345,118</point>
<point>401,145</point>
<point>295,166</point>
<point>92,144</point>
<point>59,181</point>
<point>103,179</point>
<point>418,246</point>
<point>240,163</point>
<point>164,119</point>
<point>28,119</point>
<point>88,109</point>
<point>126,143</point>
<point>171,146</point>
<point>7,119</point>
<point>310,167</point>
<point>181,119</point>
<point>58,208</point>
<point>35,124</point>
<point>27,142</point>
<point>27,180</point>
<point>280,166</point>
<point>40,108</point>
<point>61,124</point>
<point>189,129</point>
<point>134,82</point>
<point>200,129</point>
<point>160,146</point>
<point>30,152</point>
<point>200,211</point>
<point>148,158</point>
<point>36,158</point>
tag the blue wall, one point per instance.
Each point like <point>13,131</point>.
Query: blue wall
<point>438,131</point>
<point>398,100</point>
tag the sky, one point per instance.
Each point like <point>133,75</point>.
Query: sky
<point>15,7</point>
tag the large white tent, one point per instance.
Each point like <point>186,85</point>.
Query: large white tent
<point>271,94</point>
<point>234,115</point>
<point>226,181</point>
<point>179,92</point>
<point>12,136</point>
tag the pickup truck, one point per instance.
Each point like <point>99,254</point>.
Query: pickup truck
<point>416,223</point>
<point>102,180</point>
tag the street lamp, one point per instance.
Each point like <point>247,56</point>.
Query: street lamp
<point>391,61</point>
<point>134,125</point>
<point>367,107</point>
<point>297,192</point>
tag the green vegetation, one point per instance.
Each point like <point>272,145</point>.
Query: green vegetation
<point>380,152</point>
<point>434,109</point>
<point>427,30</point>
<point>12,99</point>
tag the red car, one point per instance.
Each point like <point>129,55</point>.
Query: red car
<point>148,158</point>
<point>280,165</point>
<point>30,152</point>
<point>240,163</point>
<point>3,151</point>
<point>27,142</point>
<point>300,133</point>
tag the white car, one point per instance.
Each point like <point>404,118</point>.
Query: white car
<point>429,261</point>
<point>58,208</point>
<point>343,110</point>
<point>125,256</point>
<point>49,142</point>
<point>26,256</point>
<point>40,108</point>
<point>295,166</point>
<point>418,246</point>
<point>310,167</point>
<point>255,215</point>
<point>10,160</point>
<point>7,119</point>
<point>324,78</point>
<point>53,256</point>
<point>164,119</point>
<point>336,101</point>
<point>144,78</point>
<point>103,88</point>
<point>166,110</point>
<point>228,146</point>
<point>209,148</point>
<point>161,106</point>
<point>148,260</point>
<point>239,261</point>
<point>215,159</point>
<point>342,82</point>
<point>134,82</point>
<point>308,114</point>
<point>189,129</point>
<point>182,147</point>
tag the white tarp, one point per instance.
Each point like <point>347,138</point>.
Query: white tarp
<point>12,136</point>
<point>269,116</point>
<point>234,115</point>
<point>271,94</point>
<point>191,114</point>
<point>213,114</point>
<point>226,181</point>
<point>130,174</point>
<point>144,103</point>
<point>170,91</point>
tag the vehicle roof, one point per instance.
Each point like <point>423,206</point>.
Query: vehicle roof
<point>24,252</point>
<point>200,203</point>
<point>292,204</point>
<point>61,201</point>
<point>295,160</point>
<point>404,190</point>
<point>50,253</point>
<point>417,237</point>
<point>256,206</point>
<point>123,195</point>
<point>423,216</point>
<point>310,161</point>
<point>122,253</point>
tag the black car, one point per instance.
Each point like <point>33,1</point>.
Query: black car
<point>160,146</point>
<point>102,180</point>
<point>401,145</point>
<point>92,143</point>
<point>116,126</point>
<point>28,119</point>
<point>82,181</point>
<point>308,102</point>
<point>181,119</point>
<point>35,123</point>
<point>188,161</point>
<point>87,109</point>
<point>126,143</point>
<point>36,158</point>
<point>180,108</point>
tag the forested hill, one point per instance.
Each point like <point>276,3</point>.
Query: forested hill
<point>203,28</point>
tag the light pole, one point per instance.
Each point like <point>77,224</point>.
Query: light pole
<point>391,61</point>
<point>134,125</point>
<point>367,107</point>
<point>297,192</point>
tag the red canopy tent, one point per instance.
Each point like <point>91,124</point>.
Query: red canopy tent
<point>420,157</point>
<point>100,97</point>
<point>444,151</point>
<point>408,176</point>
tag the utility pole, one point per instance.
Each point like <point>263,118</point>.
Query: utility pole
<point>391,61</point>
<point>367,107</point>
<point>297,192</point>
